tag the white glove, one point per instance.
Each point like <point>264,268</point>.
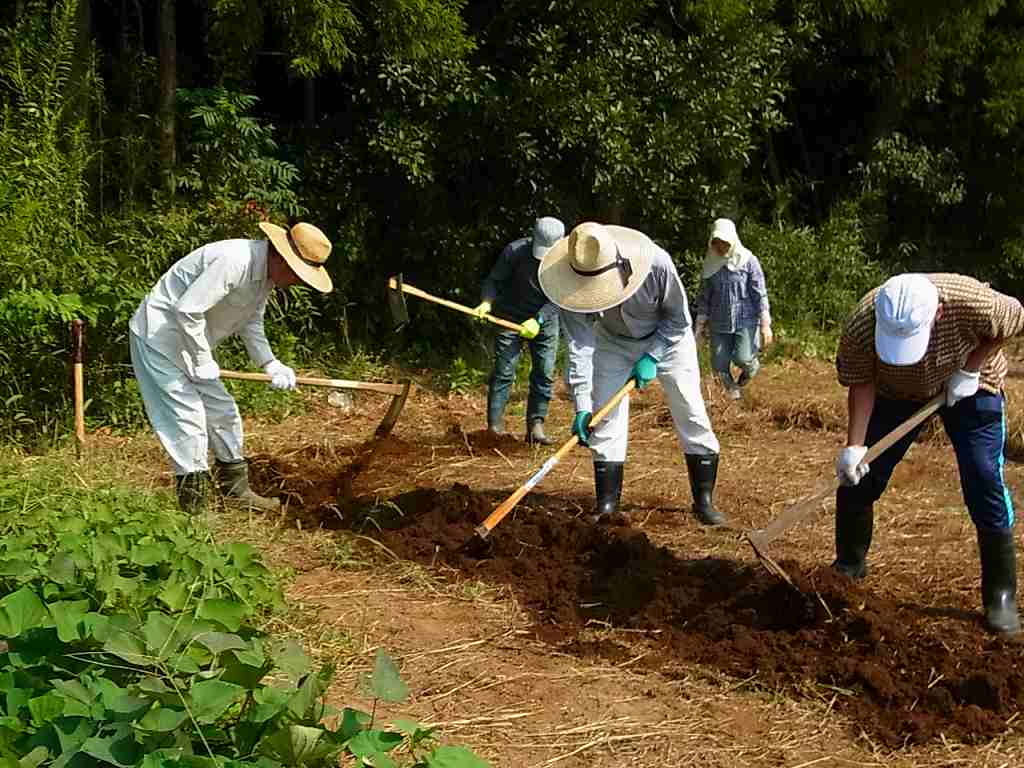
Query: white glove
<point>849,469</point>
<point>206,372</point>
<point>962,384</point>
<point>698,329</point>
<point>767,337</point>
<point>281,376</point>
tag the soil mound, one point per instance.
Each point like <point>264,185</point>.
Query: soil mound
<point>483,440</point>
<point>885,663</point>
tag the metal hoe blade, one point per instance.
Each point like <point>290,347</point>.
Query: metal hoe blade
<point>397,404</point>
<point>396,303</point>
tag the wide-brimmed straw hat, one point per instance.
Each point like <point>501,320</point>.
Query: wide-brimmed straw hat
<point>305,248</point>
<point>596,267</point>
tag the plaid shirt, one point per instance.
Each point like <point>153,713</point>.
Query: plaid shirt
<point>734,300</point>
<point>972,313</point>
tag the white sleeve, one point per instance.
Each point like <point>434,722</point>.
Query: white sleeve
<point>255,337</point>
<point>579,333</point>
<point>213,284</point>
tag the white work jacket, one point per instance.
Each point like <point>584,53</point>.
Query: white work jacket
<point>218,290</point>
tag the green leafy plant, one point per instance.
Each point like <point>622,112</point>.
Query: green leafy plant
<point>128,638</point>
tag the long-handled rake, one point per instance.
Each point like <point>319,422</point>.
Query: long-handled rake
<point>761,538</point>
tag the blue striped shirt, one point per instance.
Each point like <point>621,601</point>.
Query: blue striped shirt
<point>734,300</point>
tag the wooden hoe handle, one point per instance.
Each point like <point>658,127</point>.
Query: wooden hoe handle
<point>413,291</point>
<point>802,508</point>
<point>389,389</point>
<point>506,506</point>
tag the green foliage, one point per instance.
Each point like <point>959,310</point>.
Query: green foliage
<point>815,277</point>
<point>462,377</point>
<point>128,638</point>
<point>232,159</point>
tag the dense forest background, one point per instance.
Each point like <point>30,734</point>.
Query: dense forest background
<point>849,139</point>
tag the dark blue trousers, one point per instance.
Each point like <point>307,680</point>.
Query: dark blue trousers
<point>977,428</point>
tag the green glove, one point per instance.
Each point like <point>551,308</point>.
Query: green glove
<point>481,309</point>
<point>645,371</point>
<point>581,428</point>
<point>530,329</point>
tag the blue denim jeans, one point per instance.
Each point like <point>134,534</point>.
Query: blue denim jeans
<point>508,345</point>
<point>740,348</point>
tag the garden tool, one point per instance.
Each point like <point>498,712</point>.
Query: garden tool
<point>77,360</point>
<point>400,314</point>
<point>399,392</point>
<point>761,538</point>
<point>484,529</point>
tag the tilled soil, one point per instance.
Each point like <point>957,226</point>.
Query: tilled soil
<point>884,663</point>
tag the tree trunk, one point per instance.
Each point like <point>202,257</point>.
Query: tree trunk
<point>168,85</point>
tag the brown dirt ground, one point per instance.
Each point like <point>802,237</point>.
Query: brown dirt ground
<point>658,641</point>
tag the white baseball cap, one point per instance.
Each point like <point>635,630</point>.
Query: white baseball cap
<point>905,308</point>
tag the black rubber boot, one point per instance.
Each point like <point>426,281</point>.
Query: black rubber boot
<point>999,581</point>
<point>233,483</point>
<point>608,488</point>
<point>193,492</point>
<point>703,471</point>
<point>854,526</point>
<point>535,433</point>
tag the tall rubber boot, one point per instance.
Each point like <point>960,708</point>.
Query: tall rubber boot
<point>193,492</point>
<point>854,526</point>
<point>608,489</point>
<point>703,471</point>
<point>233,483</point>
<point>535,433</point>
<point>999,581</point>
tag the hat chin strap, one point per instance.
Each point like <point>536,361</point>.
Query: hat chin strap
<point>621,263</point>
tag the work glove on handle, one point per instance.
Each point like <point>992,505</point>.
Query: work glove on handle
<point>206,371</point>
<point>849,469</point>
<point>962,384</point>
<point>645,371</point>
<point>281,376</point>
<point>530,328</point>
<point>581,428</point>
<point>481,309</point>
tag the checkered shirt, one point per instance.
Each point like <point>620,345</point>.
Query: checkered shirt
<point>972,313</point>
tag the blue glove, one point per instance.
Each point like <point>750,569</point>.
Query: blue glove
<point>645,371</point>
<point>580,427</point>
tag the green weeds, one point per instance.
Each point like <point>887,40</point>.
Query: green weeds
<point>129,638</point>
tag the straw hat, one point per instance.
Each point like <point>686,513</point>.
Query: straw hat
<point>306,249</point>
<point>596,267</point>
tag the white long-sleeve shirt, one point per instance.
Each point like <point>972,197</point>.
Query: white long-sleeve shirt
<point>218,290</point>
<point>657,311</point>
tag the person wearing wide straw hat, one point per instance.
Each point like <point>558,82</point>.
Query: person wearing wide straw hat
<point>625,314</point>
<point>907,341</point>
<point>511,288</point>
<point>733,301</point>
<point>217,291</point>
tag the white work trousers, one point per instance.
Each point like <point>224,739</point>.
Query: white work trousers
<point>187,416</point>
<point>679,374</point>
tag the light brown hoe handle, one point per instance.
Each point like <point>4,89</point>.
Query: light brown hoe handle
<point>506,506</point>
<point>413,291</point>
<point>388,389</point>
<point>803,508</point>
